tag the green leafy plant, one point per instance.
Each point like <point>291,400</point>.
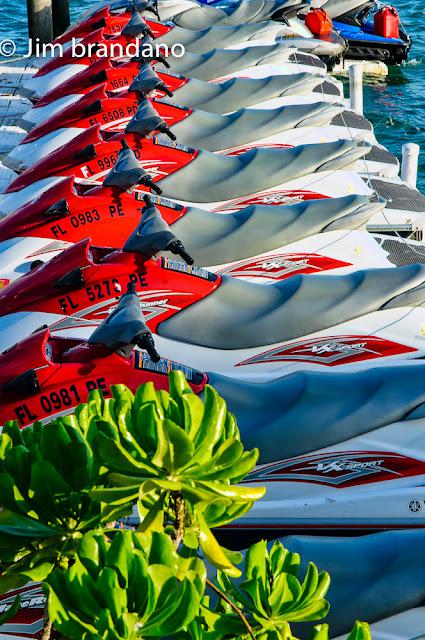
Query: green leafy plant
<point>177,460</point>
<point>181,457</point>
<point>134,586</point>
<point>46,475</point>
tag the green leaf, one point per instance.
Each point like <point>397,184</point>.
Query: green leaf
<point>360,631</point>
<point>117,556</point>
<point>12,611</point>
<point>18,525</point>
<point>213,551</point>
<point>179,445</point>
<point>116,495</point>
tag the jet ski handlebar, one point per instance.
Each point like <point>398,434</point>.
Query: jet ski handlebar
<point>176,247</point>
<point>146,181</point>
<point>128,172</point>
<point>125,328</point>
<point>145,341</point>
<point>153,235</point>
<point>147,43</point>
<point>147,81</point>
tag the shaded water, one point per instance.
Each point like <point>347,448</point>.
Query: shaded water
<point>395,105</point>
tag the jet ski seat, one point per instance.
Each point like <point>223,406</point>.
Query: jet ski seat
<point>235,13</point>
<point>241,315</point>
<point>232,94</point>
<point>214,132</point>
<point>214,63</point>
<point>384,572</point>
<point>257,229</point>
<point>210,176</point>
<point>345,405</point>
<point>227,35</point>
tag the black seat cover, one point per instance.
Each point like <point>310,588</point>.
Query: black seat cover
<point>241,315</point>
<point>309,410</point>
<point>218,239</point>
<point>213,132</point>
<point>123,326</point>
<point>213,178</point>
<point>232,94</point>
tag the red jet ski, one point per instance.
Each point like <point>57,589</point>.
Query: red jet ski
<point>282,127</point>
<point>216,97</point>
<point>59,373</point>
<point>67,212</point>
<point>219,321</point>
<point>258,61</point>
<point>183,173</point>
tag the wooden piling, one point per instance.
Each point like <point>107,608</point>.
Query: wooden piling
<point>40,20</point>
<point>61,17</point>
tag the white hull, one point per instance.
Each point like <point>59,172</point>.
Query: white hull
<point>335,252</point>
<point>379,338</point>
<point>372,481</point>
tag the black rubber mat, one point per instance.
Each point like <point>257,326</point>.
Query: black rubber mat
<point>378,154</point>
<point>303,58</point>
<point>352,120</point>
<point>402,252</point>
<point>398,196</point>
<point>327,87</point>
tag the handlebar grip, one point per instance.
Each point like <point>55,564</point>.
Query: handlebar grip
<point>163,60</point>
<point>148,182</point>
<point>176,247</point>
<point>146,342</point>
<point>164,129</point>
<point>154,11</point>
<point>163,87</point>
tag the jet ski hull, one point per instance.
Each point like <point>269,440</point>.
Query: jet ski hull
<point>363,45</point>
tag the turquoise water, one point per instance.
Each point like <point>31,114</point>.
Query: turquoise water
<point>395,105</point>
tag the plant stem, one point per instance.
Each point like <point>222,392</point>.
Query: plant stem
<point>180,515</point>
<point>235,608</point>
<point>47,631</point>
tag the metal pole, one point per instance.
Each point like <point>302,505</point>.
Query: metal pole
<point>61,16</point>
<point>409,163</point>
<point>356,88</point>
<point>40,23</point>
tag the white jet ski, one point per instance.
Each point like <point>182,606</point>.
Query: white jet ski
<point>233,134</point>
<point>239,238</point>
<point>252,62</point>
<point>215,97</point>
<point>253,245</point>
<point>223,323</point>
<point>201,174</point>
<point>373,482</point>
<point>408,625</point>
<point>90,161</point>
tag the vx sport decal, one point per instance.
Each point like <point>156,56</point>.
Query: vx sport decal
<point>340,469</point>
<point>331,351</point>
<point>283,265</point>
<point>271,198</point>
